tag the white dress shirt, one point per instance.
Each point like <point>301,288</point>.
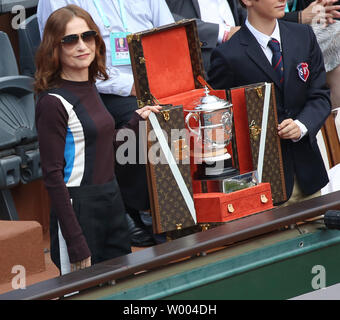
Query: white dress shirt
<point>140,15</point>
<point>263,40</point>
<point>217,11</point>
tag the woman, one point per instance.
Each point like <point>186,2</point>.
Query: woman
<point>77,140</point>
<point>322,15</point>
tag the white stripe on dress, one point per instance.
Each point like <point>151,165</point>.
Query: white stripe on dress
<point>76,128</point>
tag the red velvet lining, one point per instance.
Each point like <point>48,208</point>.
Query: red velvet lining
<point>242,130</point>
<point>189,100</point>
<point>171,79</point>
<point>168,63</point>
<point>213,207</point>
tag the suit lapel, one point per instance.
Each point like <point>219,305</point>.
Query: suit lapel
<point>288,55</point>
<point>197,8</point>
<point>255,53</point>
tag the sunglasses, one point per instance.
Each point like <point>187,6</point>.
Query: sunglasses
<point>72,39</point>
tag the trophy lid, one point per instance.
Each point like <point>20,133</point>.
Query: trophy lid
<point>211,103</point>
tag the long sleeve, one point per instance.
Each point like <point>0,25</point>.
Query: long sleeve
<point>221,75</point>
<point>141,15</point>
<point>207,32</point>
<point>291,16</point>
<point>161,14</point>
<point>51,122</point>
<point>46,7</point>
<point>317,106</point>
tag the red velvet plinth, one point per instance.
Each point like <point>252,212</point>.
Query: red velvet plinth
<point>222,207</point>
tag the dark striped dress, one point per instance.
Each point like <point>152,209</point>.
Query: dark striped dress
<point>77,139</point>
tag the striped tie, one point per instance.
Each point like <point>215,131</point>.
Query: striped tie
<point>277,62</point>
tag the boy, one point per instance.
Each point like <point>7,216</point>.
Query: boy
<point>293,62</point>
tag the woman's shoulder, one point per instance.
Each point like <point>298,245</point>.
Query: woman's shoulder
<point>47,98</point>
<point>55,95</point>
<point>49,104</point>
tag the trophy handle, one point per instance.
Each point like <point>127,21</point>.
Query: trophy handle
<point>196,117</point>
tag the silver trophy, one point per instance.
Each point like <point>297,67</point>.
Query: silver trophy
<point>214,132</point>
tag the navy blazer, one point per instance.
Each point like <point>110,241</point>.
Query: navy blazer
<point>241,61</point>
<point>207,32</point>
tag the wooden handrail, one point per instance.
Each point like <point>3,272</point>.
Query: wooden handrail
<point>159,255</point>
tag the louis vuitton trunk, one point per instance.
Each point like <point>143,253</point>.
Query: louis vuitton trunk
<point>261,148</point>
<point>167,64</point>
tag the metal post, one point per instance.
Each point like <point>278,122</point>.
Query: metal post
<point>7,206</point>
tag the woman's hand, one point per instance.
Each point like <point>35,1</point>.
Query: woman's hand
<point>145,111</point>
<point>81,264</point>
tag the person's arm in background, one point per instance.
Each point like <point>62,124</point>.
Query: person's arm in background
<point>161,14</point>
<point>46,7</point>
<point>318,106</point>
<point>221,73</point>
<point>210,34</point>
<point>121,81</point>
<point>311,10</point>
<point>207,32</point>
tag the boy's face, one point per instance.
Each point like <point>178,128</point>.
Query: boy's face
<point>270,9</point>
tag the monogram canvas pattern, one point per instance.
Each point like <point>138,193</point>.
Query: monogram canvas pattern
<point>272,165</point>
<point>195,52</point>
<point>142,85</point>
<point>168,207</point>
<point>170,211</point>
<point>233,139</point>
<point>137,55</point>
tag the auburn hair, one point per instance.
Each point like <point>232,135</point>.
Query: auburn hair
<point>48,66</point>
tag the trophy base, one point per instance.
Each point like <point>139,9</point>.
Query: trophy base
<point>214,169</point>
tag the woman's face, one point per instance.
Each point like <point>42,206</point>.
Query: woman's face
<point>77,55</point>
